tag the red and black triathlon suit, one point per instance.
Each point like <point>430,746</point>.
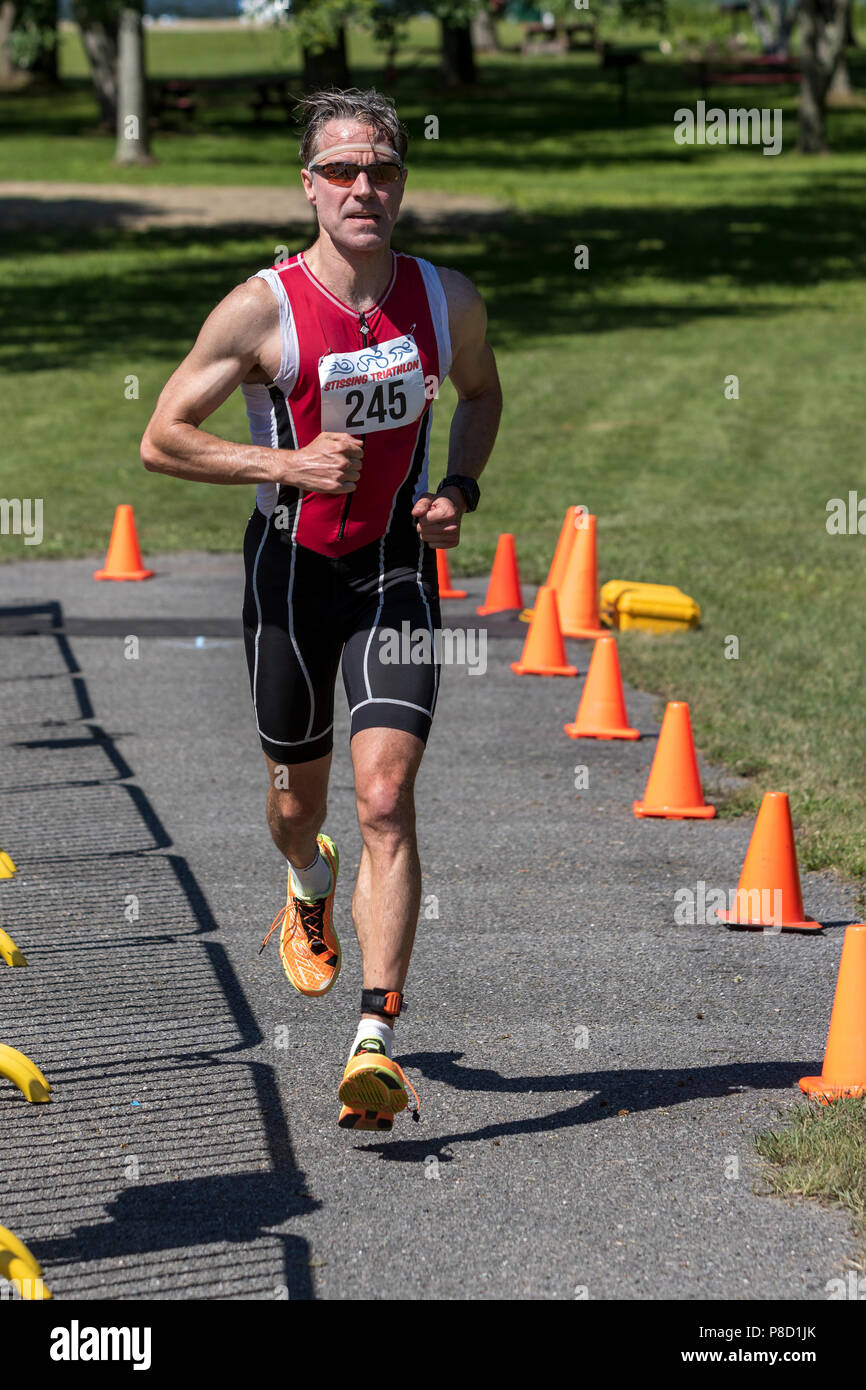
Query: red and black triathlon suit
<point>326,574</point>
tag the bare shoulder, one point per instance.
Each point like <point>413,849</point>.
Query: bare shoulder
<point>245,313</point>
<point>467,313</point>
<point>243,327</point>
<point>461,295</point>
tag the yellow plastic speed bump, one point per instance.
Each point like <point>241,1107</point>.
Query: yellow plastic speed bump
<point>9,951</point>
<point>20,1267</point>
<point>24,1073</point>
<point>7,868</point>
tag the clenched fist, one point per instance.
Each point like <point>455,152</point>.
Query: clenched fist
<point>330,464</point>
<point>437,519</point>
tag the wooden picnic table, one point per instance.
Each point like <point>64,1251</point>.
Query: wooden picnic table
<point>559,38</point>
<point>751,70</point>
<point>185,97</point>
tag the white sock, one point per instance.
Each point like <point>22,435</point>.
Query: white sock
<point>374,1028</point>
<point>313,882</point>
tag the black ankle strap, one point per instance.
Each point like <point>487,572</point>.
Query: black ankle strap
<point>388,1002</point>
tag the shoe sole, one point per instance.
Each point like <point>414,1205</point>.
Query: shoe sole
<point>365,1120</point>
<point>372,1085</point>
<point>317,993</point>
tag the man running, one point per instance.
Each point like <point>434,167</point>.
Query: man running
<point>339,352</point>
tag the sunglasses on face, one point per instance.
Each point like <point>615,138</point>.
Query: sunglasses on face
<point>344,173</point>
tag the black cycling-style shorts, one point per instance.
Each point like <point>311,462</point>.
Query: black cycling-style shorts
<point>306,614</point>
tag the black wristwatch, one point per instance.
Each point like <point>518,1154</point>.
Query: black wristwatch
<point>468,486</point>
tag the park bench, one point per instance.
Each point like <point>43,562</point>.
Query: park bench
<point>269,94</point>
<point>174,96</point>
<point>559,38</point>
<point>619,60</point>
<point>765,70</point>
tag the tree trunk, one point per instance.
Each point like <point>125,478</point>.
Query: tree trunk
<point>761,25</point>
<point>99,37</point>
<point>484,36</point>
<point>840,87</point>
<point>7,19</point>
<point>773,23</point>
<point>46,60</point>
<point>824,28</point>
<point>133,138</point>
<point>329,67</point>
<point>458,57</point>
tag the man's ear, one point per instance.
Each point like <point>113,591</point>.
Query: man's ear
<point>308,183</point>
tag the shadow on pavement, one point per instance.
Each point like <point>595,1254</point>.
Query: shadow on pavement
<point>633,1091</point>
<point>146,1219</point>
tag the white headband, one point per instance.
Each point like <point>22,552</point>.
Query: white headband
<point>340,149</point>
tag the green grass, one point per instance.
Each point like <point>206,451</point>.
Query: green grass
<point>821,1153</point>
<point>703,263</point>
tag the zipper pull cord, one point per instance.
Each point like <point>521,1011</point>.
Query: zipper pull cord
<point>364,329</point>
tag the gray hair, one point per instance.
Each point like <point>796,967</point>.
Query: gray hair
<point>350,103</point>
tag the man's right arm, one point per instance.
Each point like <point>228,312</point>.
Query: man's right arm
<point>225,353</point>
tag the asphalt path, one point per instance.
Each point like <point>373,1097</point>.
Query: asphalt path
<point>591,1073</point>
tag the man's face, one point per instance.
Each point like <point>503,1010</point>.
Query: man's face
<point>361,217</point>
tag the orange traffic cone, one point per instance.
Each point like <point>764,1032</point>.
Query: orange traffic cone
<point>544,650</point>
<point>674,787</point>
<point>503,591</point>
<point>124,557</point>
<point>578,596</point>
<point>444,575</point>
<point>558,564</point>
<point>844,1070</point>
<point>601,712</point>
<point>768,894</point>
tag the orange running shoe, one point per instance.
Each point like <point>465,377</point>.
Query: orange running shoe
<point>365,1119</point>
<point>309,948</point>
<point>373,1081</point>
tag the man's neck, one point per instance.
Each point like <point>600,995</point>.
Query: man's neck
<point>360,279</point>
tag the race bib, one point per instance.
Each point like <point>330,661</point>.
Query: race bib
<point>380,387</point>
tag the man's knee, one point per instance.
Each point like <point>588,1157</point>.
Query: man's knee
<point>294,811</point>
<point>386,810</point>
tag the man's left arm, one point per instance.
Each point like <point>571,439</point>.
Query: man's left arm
<point>475,422</point>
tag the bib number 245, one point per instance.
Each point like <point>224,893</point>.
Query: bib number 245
<point>379,405</point>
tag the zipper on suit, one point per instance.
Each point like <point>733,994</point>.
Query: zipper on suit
<point>364,329</point>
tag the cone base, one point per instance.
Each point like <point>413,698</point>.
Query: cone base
<point>817,1088</point>
<point>521,670</point>
<point>728,915</point>
<point>486,612</point>
<point>590,633</point>
<point>453,593</point>
<point>574,731</point>
<point>641,809</point>
<point>131,574</point>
